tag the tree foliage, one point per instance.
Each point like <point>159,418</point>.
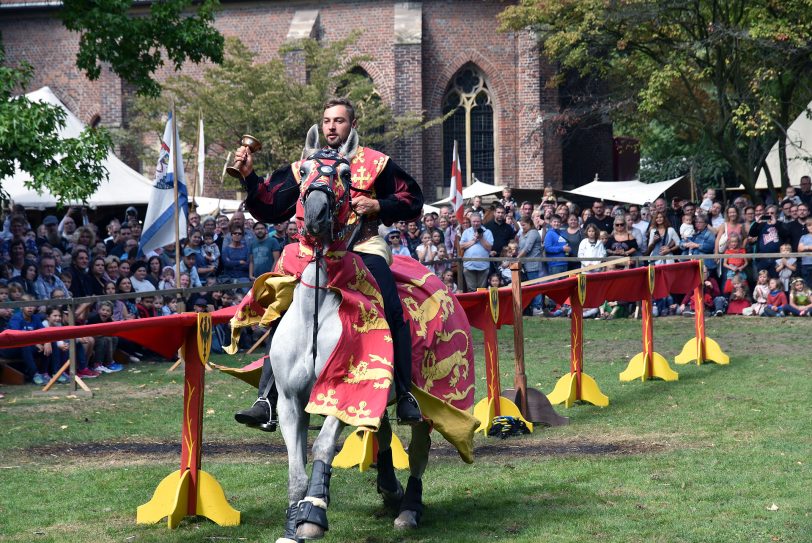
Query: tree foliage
<point>69,168</point>
<point>242,96</point>
<point>134,44</point>
<point>724,76</point>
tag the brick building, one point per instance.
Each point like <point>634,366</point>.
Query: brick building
<point>433,57</point>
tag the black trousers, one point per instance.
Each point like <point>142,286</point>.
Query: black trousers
<point>393,312</point>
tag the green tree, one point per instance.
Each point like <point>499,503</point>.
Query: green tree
<point>243,96</point>
<point>133,44</point>
<point>723,75</point>
<point>69,168</point>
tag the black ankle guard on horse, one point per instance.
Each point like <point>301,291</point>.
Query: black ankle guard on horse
<point>313,508</point>
<point>413,497</point>
<point>290,522</point>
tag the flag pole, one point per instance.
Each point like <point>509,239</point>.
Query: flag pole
<point>197,144</point>
<point>175,183</point>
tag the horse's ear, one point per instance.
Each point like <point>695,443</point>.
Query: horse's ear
<point>311,142</point>
<point>350,146</point>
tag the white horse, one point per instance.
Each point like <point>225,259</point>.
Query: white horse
<point>298,356</point>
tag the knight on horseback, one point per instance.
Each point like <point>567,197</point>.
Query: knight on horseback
<point>381,193</point>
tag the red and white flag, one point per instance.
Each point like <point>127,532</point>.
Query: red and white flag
<point>456,185</point>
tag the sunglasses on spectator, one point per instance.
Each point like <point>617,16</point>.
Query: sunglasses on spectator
<point>620,224</point>
<point>236,233</point>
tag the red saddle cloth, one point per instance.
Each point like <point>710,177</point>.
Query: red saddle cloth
<point>355,383</point>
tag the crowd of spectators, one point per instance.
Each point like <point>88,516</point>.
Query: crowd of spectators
<point>73,257</point>
<point>740,282</point>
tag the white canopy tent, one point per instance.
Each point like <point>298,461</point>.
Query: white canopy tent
<point>124,187</point>
<point>477,188</point>
<point>799,153</point>
<point>628,192</point>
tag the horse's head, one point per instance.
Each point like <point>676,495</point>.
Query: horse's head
<point>325,188</point>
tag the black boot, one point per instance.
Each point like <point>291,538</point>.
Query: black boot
<point>290,522</point>
<point>408,411</point>
<point>261,415</point>
<point>319,490</point>
<point>389,487</point>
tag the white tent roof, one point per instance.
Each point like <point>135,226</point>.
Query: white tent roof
<point>629,192</point>
<point>799,152</point>
<point>124,187</point>
<point>477,188</point>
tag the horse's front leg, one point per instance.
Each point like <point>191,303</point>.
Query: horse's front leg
<point>411,507</point>
<point>293,422</point>
<point>311,520</point>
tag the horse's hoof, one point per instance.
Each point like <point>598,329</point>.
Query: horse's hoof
<point>407,520</point>
<point>308,530</point>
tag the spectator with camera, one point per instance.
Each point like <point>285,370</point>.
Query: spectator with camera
<point>769,234</point>
<point>702,242</point>
<point>476,242</point>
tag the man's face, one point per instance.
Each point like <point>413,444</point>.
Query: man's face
<point>803,212</point>
<point>750,214</point>
<point>208,227</point>
<point>336,125</point>
<point>477,201</point>
<point>411,227</point>
<point>499,214</point>
<point>688,209</point>
<point>69,226</point>
<point>445,212</point>
<point>716,209</point>
<point>634,213</point>
<point>700,224</point>
<point>806,184</point>
<point>194,219</point>
<point>222,223</point>
<point>527,209</point>
<point>124,234</point>
<point>598,209</point>
<point>476,221</point>
<point>260,230</point>
<point>47,267</point>
<point>189,260</point>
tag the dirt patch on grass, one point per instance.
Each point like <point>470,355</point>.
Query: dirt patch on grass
<point>129,453</point>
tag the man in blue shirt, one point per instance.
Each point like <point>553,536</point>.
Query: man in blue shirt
<point>47,281</point>
<point>555,245</point>
<point>703,242</point>
<point>476,242</point>
<point>264,252</point>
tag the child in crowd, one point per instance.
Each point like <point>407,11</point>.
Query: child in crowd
<point>494,280</point>
<point>211,252</point>
<point>448,281</point>
<point>800,299</point>
<point>686,229</point>
<point>67,280</point>
<point>738,301</point>
<point>5,313</point>
<point>105,346</point>
<point>736,264</point>
<point>60,350</point>
<point>760,293</point>
<point>15,291</point>
<point>170,307</point>
<point>167,278</point>
<point>146,307</point>
<point>504,267</point>
<point>442,254</point>
<point>395,242</point>
<point>776,299</point>
<point>785,266</point>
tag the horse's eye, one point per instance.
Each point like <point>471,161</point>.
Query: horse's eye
<point>302,171</point>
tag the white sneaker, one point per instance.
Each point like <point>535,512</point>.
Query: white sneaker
<point>103,369</point>
<point>538,312</point>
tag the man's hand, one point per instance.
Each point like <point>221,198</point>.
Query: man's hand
<point>365,206</point>
<point>244,157</point>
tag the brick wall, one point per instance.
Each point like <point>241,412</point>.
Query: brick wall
<point>410,76</point>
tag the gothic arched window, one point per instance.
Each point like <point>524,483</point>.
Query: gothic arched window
<point>470,124</point>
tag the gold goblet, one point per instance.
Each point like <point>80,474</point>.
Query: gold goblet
<point>254,145</point>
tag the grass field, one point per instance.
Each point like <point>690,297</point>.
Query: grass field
<point>723,454</point>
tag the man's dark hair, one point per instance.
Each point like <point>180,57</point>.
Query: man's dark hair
<point>332,102</point>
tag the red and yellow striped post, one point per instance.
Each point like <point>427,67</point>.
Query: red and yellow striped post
<point>701,348</point>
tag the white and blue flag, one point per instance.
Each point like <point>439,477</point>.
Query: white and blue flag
<point>159,224</point>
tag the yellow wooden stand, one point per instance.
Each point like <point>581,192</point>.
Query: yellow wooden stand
<point>648,364</point>
<point>566,391</point>
<point>701,348</point>
<point>693,351</point>
<point>171,500</point>
<point>190,491</point>
<point>486,409</point>
<point>361,449</point>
